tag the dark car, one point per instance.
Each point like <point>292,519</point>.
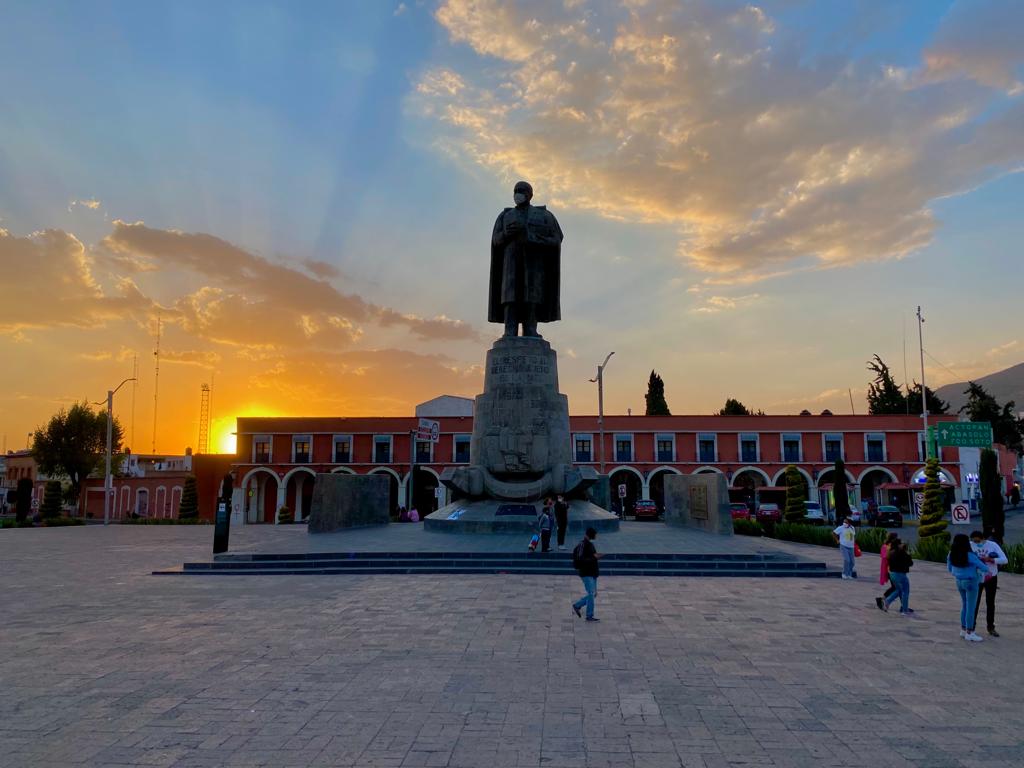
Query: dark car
<point>739,511</point>
<point>885,515</point>
<point>645,509</point>
<point>768,513</point>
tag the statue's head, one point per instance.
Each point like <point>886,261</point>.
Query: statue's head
<point>522,193</point>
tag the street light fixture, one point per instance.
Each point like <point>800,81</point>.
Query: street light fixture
<point>107,480</point>
<point>600,403</point>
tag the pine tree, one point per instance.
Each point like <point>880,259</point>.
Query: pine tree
<point>884,394</point>
<point>992,515</point>
<point>734,407</point>
<point>981,406</point>
<point>796,495</point>
<point>52,500</point>
<point>655,397</point>
<point>840,492</point>
<point>933,515</point>
<point>935,403</point>
<point>188,509</point>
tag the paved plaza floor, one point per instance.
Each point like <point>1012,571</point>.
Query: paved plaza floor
<point>105,665</point>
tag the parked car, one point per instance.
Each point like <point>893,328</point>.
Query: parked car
<point>645,509</point>
<point>768,513</point>
<point>739,511</point>
<point>855,517</point>
<point>813,513</point>
<point>885,515</point>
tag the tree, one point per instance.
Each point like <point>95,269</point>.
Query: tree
<point>23,505</point>
<point>884,394</point>
<point>992,515</point>
<point>73,444</point>
<point>655,397</point>
<point>188,509</point>
<point>839,491</point>
<point>285,516</point>
<point>53,502</point>
<point>935,403</point>
<point>933,513</point>
<point>734,407</point>
<point>981,406</point>
<point>796,495</point>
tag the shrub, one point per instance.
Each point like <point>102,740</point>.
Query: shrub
<point>53,500</point>
<point>871,539</point>
<point>933,523</point>
<point>189,507</point>
<point>23,503</point>
<point>746,527</point>
<point>796,495</point>
<point>804,534</point>
<point>164,521</point>
<point>934,548</point>
<point>285,516</point>
<point>1015,556</point>
<point>57,522</point>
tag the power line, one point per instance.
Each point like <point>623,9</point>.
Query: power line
<point>944,366</point>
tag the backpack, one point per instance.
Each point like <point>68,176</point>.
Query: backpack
<point>577,555</point>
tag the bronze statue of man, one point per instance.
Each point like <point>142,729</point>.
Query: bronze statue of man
<point>526,252</point>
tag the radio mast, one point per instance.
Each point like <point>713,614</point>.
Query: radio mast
<point>156,381</point>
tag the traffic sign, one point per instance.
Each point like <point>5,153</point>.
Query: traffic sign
<point>961,514</point>
<point>965,434</point>
<point>428,430</point>
<point>622,490</point>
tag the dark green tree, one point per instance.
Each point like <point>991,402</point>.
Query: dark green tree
<point>734,407</point>
<point>796,495</point>
<point>285,516</point>
<point>839,490</point>
<point>935,403</point>
<point>933,514</point>
<point>981,406</point>
<point>73,444</point>
<point>23,506</point>
<point>53,502</point>
<point>884,394</point>
<point>188,509</point>
<point>993,517</point>
<point>655,397</point>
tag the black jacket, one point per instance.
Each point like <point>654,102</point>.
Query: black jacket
<point>588,563</point>
<point>900,561</point>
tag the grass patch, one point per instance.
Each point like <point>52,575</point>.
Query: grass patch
<point>164,521</point>
<point>744,527</point>
<point>871,539</point>
<point>802,533</point>
<point>1015,555</point>
<point>933,549</point>
<point>60,522</point>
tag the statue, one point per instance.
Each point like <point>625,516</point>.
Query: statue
<point>526,249</point>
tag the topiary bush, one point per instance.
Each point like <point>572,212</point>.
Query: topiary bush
<point>743,527</point>
<point>933,515</point>
<point>53,500</point>
<point>796,495</point>
<point>188,509</point>
<point>934,549</point>
<point>285,516</point>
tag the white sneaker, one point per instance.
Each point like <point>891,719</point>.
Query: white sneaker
<point>974,637</point>
<point>846,577</point>
<point>561,547</point>
<point>963,633</point>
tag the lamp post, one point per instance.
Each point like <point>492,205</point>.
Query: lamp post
<point>924,390</point>
<point>600,403</point>
<point>107,484</point>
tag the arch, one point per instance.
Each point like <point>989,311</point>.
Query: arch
<point>291,473</point>
<point>876,468</point>
<point>256,471</point>
<point>142,502</point>
<point>395,487</point>
<point>706,469</point>
<point>387,470</point>
<point>656,485</point>
<point>298,491</point>
<point>781,475</point>
<point>124,499</point>
<point>636,488</point>
<point>424,484</point>
<point>344,470</point>
<point>760,472</point>
<point>255,500</point>
<point>825,476</point>
<point>176,493</point>
<point>949,476</point>
<point>428,469</point>
<point>160,508</point>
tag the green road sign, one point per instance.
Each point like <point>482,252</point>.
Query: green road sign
<point>965,434</point>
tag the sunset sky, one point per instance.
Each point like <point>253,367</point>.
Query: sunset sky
<point>754,199</point>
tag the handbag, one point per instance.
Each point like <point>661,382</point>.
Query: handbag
<point>856,550</point>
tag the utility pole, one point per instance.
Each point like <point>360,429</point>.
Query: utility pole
<point>107,478</point>
<point>135,387</point>
<point>156,382</point>
<point>600,405</point>
<point>924,390</point>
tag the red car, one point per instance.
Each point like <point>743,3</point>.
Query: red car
<point>769,513</point>
<point>739,511</point>
<point>645,509</point>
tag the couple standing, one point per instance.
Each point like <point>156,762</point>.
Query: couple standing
<point>553,515</point>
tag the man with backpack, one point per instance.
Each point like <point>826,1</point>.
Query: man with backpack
<point>584,560</point>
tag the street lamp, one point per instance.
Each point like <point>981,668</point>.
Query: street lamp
<point>600,403</point>
<point>107,480</point>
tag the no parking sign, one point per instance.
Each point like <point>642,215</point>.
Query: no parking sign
<point>961,514</point>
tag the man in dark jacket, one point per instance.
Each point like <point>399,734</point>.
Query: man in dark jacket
<point>562,519</point>
<point>585,558</point>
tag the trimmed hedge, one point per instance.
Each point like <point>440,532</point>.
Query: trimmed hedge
<point>743,527</point>
<point>164,521</point>
<point>58,522</point>
<point>802,533</point>
<point>10,522</point>
<point>933,548</point>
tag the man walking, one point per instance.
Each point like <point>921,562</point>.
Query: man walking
<point>561,519</point>
<point>584,559</point>
<point>846,536</point>
<point>993,556</point>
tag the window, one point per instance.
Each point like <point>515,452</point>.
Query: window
<point>874,447</point>
<point>748,449</point>
<point>382,449</point>
<point>623,448</point>
<point>462,443</point>
<point>584,448</point>
<point>261,449</point>
<point>424,451</point>
<point>300,449</point>
<point>342,449</point>
<point>833,447</point>
<point>707,448</point>
<point>664,448</point>
<point>791,449</point>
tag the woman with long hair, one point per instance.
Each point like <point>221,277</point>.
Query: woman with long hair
<point>968,570</point>
<point>883,571</point>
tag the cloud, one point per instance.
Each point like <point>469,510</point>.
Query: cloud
<point>715,304</point>
<point>980,39</point>
<point>1002,349</point>
<point>703,117</point>
<point>92,204</point>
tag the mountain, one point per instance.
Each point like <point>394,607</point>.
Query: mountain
<point>1003,386</point>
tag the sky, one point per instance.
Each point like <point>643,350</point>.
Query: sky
<point>755,200</point>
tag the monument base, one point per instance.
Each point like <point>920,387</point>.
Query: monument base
<point>494,516</point>
<point>348,501</point>
<point>698,501</point>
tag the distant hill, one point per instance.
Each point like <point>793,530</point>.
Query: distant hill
<point>1003,386</point>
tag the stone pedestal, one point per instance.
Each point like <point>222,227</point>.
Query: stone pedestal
<point>494,516</point>
<point>348,501</point>
<point>698,501</point>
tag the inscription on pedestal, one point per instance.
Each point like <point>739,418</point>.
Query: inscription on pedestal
<point>698,502</point>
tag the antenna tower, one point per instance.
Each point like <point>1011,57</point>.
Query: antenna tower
<point>204,419</point>
<point>135,386</point>
<point>156,381</point>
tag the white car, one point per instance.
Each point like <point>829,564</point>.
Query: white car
<point>814,513</point>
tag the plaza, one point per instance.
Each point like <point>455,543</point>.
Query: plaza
<point>106,665</point>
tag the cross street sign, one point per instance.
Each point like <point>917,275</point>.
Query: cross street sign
<point>965,434</point>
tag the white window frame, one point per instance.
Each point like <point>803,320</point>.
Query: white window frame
<point>269,440</point>
<point>466,437</point>
<point>616,437</point>
<point>921,446</point>
<point>885,447</point>
<point>658,437</point>
<point>757,446</point>
<point>416,451</point>
<point>302,439</point>
<point>842,445</point>
<point>583,436</point>
<point>391,449</point>
<point>335,439</point>
<point>799,446</point>
<point>700,436</point>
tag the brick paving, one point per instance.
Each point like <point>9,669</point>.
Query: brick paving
<point>104,665</point>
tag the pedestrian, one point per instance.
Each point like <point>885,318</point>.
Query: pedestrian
<point>561,519</point>
<point>545,524</point>
<point>883,570</point>
<point>900,563</point>
<point>967,569</point>
<point>403,514</point>
<point>846,536</point>
<point>584,560</point>
<point>414,515</point>
<point>989,552</point>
